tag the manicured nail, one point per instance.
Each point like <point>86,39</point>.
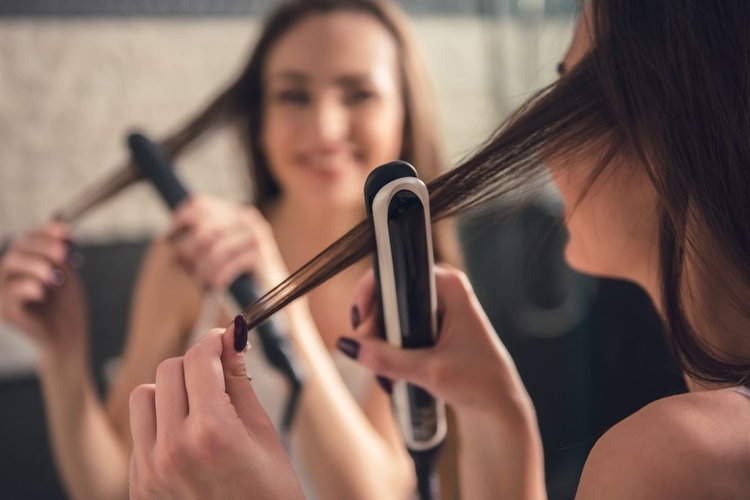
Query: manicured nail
<point>240,333</point>
<point>57,277</point>
<point>348,346</point>
<point>75,257</point>
<point>385,383</point>
<point>175,236</point>
<point>356,320</point>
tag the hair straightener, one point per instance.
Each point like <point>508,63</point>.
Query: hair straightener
<point>398,203</point>
<point>156,167</point>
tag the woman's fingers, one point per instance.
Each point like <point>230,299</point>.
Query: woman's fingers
<point>26,276</point>
<point>237,384</point>
<point>365,302</point>
<point>464,337</point>
<point>50,243</point>
<point>171,399</point>
<point>184,217</point>
<point>392,362</point>
<point>229,256</point>
<point>225,433</point>
<point>215,369</point>
<point>37,254</point>
<point>20,265</point>
<point>368,347</point>
<point>218,241</point>
<point>143,420</point>
<point>193,228</point>
<point>204,374</point>
<point>23,290</point>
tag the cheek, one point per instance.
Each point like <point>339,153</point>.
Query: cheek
<point>278,132</point>
<point>378,133</point>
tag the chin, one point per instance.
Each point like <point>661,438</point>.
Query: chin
<point>582,262</point>
<point>329,201</point>
<point>575,260</point>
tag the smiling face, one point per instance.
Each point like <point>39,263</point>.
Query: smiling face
<point>333,108</point>
<point>613,229</point>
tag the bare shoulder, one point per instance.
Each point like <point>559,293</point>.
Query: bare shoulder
<point>690,446</point>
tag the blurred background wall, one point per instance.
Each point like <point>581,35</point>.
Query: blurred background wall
<point>76,76</point>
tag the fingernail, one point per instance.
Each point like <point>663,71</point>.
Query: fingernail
<point>176,236</point>
<point>356,320</point>
<point>385,383</point>
<point>75,257</point>
<point>348,346</point>
<point>57,277</point>
<point>240,333</point>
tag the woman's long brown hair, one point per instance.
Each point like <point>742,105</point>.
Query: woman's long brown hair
<point>667,83</point>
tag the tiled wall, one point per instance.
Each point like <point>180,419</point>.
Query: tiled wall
<point>71,88</point>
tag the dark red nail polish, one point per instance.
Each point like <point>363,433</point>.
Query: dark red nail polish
<point>240,333</point>
<point>348,346</point>
<point>385,383</point>
<point>356,320</point>
<point>74,256</point>
<point>57,277</point>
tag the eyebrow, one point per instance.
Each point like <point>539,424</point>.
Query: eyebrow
<point>292,76</point>
<point>354,79</point>
<point>298,77</point>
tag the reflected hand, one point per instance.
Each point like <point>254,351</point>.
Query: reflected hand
<point>219,240</point>
<point>41,294</point>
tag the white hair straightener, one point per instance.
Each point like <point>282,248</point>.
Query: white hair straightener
<point>398,202</point>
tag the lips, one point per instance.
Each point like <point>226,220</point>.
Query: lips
<point>328,167</point>
<point>326,173</point>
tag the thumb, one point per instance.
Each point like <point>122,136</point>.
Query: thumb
<point>387,360</point>
<point>238,385</point>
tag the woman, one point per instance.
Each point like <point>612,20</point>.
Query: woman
<point>647,137</point>
<point>333,89</point>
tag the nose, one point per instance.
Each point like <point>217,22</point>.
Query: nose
<point>330,123</point>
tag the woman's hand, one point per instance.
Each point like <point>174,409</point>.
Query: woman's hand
<point>501,451</point>
<point>200,433</point>
<point>219,240</point>
<point>41,294</point>
<point>468,367</point>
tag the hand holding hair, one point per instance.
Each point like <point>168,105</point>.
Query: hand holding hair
<point>200,432</point>
<point>41,294</point>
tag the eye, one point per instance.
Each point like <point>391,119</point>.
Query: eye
<point>561,68</point>
<point>357,96</point>
<point>297,97</point>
